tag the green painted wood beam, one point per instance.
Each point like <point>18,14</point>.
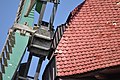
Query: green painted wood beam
<point>30,17</point>
<point>38,6</point>
<point>17,53</point>
<point>20,44</point>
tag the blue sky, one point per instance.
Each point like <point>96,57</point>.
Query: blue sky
<point>8,11</point>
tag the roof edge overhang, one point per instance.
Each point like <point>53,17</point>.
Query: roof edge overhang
<point>96,73</point>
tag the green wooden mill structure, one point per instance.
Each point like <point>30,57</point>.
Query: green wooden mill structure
<point>25,35</point>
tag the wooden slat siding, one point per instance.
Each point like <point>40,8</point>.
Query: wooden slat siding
<point>21,1</point>
<point>9,47</point>
<point>57,36</point>
<point>19,14</point>
<point>11,42</point>
<point>61,31</point>
<point>19,10</point>
<point>13,37</point>
<point>18,17</point>
<point>64,27</point>
<point>21,5</point>
<point>4,59</point>
<point>2,66</point>
<point>58,33</point>
<point>54,39</point>
<point>53,44</point>
<point>7,53</point>
<point>4,51</point>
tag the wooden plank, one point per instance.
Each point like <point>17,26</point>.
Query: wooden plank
<point>9,47</point>
<point>2,66</point>
<point>4,59</point>
<point>17,53</point>
<point>7,54</point>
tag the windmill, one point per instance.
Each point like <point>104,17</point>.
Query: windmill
<point>24,36</point>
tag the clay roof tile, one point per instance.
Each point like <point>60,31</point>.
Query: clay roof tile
<point>92,38</point>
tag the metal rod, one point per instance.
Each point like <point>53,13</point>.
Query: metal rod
<point>28,64</point>
<point>38,68</point>
<point>52,16</point>
<point>42,13</point>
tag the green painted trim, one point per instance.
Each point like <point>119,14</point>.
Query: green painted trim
<point>20,44</point>
<point>30,18</point>
<point>15,57</point>
<point>38,6</point>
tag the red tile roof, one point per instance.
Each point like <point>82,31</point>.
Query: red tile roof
<point>92,39</point>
